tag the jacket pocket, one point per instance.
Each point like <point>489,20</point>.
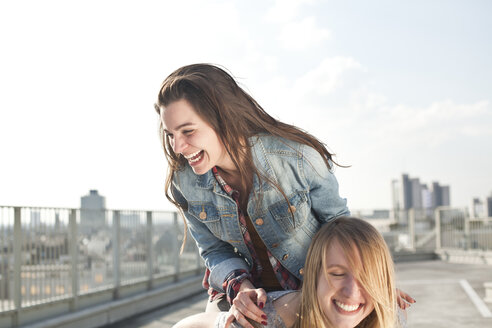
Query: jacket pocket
<point>210,215</point>
<point>283,212</point>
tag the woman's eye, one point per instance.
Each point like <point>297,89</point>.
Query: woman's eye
<point>337,274</point>
<point>188,132</point>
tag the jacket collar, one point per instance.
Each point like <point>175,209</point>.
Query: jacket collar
<point>206,181</point>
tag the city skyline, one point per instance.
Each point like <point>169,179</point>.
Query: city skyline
<point>389,87</point>
<point>410,193</point>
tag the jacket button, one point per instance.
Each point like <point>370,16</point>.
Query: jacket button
<point>285,257</point>
<point>274,245</point>
<point>235,250</point>
<point>301,271</point>
<point>259,221</point>
<point>292,209</point>
<point>203,215</point>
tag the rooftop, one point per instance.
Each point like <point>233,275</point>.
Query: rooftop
<point>448,295</point>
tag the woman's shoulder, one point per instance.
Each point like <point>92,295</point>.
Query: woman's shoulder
<point>270,145</point>
<point>274,144</point>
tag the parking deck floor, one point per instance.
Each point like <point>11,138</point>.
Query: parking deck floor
<point>448,295</point>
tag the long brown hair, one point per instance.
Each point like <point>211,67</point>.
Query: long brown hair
<point>374,271</point>
<point>232,113</point>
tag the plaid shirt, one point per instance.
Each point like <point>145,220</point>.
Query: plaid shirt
<point>232,283</point>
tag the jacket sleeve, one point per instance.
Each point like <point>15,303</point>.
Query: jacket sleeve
<point>219,256</point>
<point>326,202</point>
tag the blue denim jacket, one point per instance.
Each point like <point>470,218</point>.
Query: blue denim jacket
<point>212,215</point>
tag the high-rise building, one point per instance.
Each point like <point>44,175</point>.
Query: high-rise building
<point>440,195</point>
<point>410,193</point>
<point>406,192</point>
<point>436,194</point>
<point>395,194</point>
<point>93,201</point>
<point>92,211</point>
<point>416,196</point>
<point>488,206</point>
<point>427,200</point>
<point>446,199</point>
<point>477,208</point>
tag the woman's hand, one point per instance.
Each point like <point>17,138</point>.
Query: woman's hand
<point>248,304</point>
<point>403,299</point>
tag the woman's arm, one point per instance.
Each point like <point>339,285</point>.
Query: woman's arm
<point>219,256</point>
<point>326,202</point>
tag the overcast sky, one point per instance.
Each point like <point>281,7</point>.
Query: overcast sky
<point>391,87</point>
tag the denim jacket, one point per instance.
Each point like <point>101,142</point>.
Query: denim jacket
<point>212,216</point>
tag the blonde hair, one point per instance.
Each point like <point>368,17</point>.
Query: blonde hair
<point>373,269</point>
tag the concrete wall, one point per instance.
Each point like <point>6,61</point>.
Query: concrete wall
<point>114,311</point>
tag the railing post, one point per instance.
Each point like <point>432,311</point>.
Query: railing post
<point>17,265</point>
<point>176,247</point>
<point>74,255</point>
<point>116,254</point>
<point>411,228</point>
<point>149,251</point>
<point>437,218</point>
<point>467,245</point>
<point>394,215</point>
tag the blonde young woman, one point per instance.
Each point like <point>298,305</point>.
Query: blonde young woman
<point>253,190</point>
<point>349,282</point>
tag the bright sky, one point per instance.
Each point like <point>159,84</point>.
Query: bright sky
<point>389,86</point>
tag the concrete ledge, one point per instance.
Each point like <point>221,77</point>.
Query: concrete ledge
<point>465,256</point>
<point>114,311</point>
<point>408,256</point>
<point>488,292</point>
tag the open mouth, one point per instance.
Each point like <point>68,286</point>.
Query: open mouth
<point>195,157</point>
<point>347,308</point>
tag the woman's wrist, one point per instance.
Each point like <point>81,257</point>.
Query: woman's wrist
<point>246,284</point>
<point>232,285</point>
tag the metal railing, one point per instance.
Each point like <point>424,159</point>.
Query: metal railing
<point>429,230</point>
<point>59,254</point>
<point>456,230</point>
<point>50,255</point>
<point>405,230</point>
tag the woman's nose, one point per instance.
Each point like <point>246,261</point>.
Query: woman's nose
<point>351,287</point>
<point>179,144</point>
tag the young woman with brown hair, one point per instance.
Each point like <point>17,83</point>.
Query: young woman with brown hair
<point>253,190</point>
